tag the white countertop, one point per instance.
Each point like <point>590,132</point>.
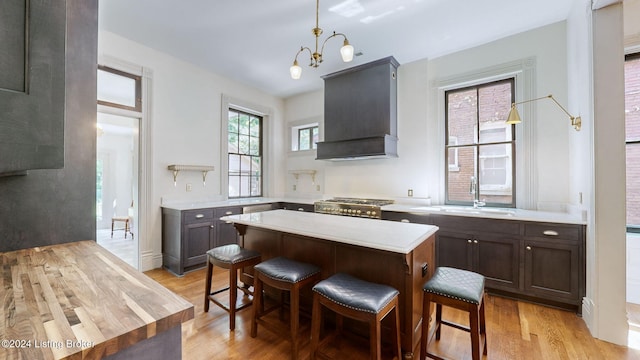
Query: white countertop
<point>488,212</point>
<point>190,205</point>
<point>376,234</point>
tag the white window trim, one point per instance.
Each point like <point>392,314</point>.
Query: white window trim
<point>524,72</point>
<point>229,102</point>
<point>299,124</point>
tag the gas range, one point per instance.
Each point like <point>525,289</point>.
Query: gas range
<point>367,208</point>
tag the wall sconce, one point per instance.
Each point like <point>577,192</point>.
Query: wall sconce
<point>514,117</point>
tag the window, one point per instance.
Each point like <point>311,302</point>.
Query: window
<point>245,154</point>
<point>304,137</point>
<point>307,138</point>
<point>632,121</point>
<point>119,89</point>
<point>480,147</point>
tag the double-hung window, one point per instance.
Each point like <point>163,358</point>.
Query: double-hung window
<point>632,121</point>
<point>245,154</point>
<point>480,147</point>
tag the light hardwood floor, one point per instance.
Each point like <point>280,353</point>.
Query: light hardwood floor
<point>515,330</point>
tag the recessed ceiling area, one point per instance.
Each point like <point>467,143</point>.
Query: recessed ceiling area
<point>254,42</point>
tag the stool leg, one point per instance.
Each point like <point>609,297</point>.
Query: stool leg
<point>396,330</point>
<point>126,228</point>
<point>316,319</point>
<point>426,315</point>
<point>483,328</point>
<point>375,350</point>
<point>438,320</point>
<point>295,305</point>
<point>112,221</point>
<point>207,289</point>
<point>257,304</point>
<point>474,327</point>
<point>233,295</point>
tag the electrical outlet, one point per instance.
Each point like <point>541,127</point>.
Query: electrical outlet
<point>317,187</point>
<point>294,187</point>
<point>410,192</point>
<point>189,187</point>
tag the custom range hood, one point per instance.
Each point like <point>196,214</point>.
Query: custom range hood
<point>360,112</point>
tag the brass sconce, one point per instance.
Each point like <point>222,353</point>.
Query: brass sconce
<point>514,117</point>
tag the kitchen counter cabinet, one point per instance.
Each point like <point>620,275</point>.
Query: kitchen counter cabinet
<point>406,217</point>
<point>187,236</point>
<point>486,246</point>
<point>79,301</point>
<point>554,266</point>
<point>541,262</point>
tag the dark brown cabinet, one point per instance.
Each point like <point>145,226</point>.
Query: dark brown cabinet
<point>296,206</point>
<point>536,261</point>
<point>187,235</point>
<point>554,265</point>
<point>486,246</point>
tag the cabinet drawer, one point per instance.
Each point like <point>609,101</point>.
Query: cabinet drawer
<point>235,210</point>
<point>199,215</point>
<point>474,224</point>
<point>553,231</point>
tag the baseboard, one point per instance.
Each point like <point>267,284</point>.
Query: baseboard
<point>588,314</point>
<point>150,261</point>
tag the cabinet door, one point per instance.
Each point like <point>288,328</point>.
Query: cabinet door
<point>197,240</point>
<point>552,269</point>
<point>498,259</point>
<point>226,232</point>
<point>454,250</point>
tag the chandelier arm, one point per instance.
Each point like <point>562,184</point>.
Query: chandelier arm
<point>327,39</point>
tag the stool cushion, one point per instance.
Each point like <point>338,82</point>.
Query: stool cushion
<point>457,284</point>
<point>232,254</point>
<point>356,294</point>
<point>283,269</point>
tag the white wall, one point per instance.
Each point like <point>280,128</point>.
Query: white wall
<point>420,131</point>
<point>185,124</point>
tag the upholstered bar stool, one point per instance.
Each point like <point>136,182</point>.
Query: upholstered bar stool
<point>287,275</point>
<point>460,289</point>
<point>359,300</point>
<point>233,258</point>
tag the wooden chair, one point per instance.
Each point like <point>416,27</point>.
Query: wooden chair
<point>125,219</point>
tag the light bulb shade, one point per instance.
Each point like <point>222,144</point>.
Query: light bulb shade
<point>514,117</point>
<point>295,70</point>
<point>346,51</point>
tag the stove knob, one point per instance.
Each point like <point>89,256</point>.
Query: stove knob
<point>373,214</point>
<point>368,212</point>
<point>358,211</point>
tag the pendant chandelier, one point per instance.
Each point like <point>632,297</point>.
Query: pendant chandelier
<point>316,57</point>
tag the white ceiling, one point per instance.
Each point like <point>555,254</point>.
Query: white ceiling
<point>255,41</point>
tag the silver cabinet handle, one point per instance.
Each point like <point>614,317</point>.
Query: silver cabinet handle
<point>528,247</point>
<point>475,241</point>
<point>199,216</point>
<point>228,213</point>
<point>405,221</point>
<point>211,226</point>
<point>300,209</point>
<point>469,241</point>
<point>550,233</point>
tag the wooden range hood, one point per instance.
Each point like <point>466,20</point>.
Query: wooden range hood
<point>360,112</point>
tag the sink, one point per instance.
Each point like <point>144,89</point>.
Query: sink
<point>466,210</point>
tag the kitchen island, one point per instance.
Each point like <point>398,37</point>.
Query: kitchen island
<point>401,255</point>
<point>78,301</point>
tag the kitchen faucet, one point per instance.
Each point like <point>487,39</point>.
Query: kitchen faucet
<point>473,190</point>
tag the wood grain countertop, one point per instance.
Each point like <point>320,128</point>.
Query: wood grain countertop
<point>78,301</point>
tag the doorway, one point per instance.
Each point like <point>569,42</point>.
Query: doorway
<point>117,185</point>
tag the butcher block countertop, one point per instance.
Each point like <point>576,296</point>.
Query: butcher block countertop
<point>78,301</point>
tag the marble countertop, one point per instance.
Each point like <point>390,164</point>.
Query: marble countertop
<point>415,208</point>
<point>376,234</point>
<point>190,205</point>
<point>489,212</point>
